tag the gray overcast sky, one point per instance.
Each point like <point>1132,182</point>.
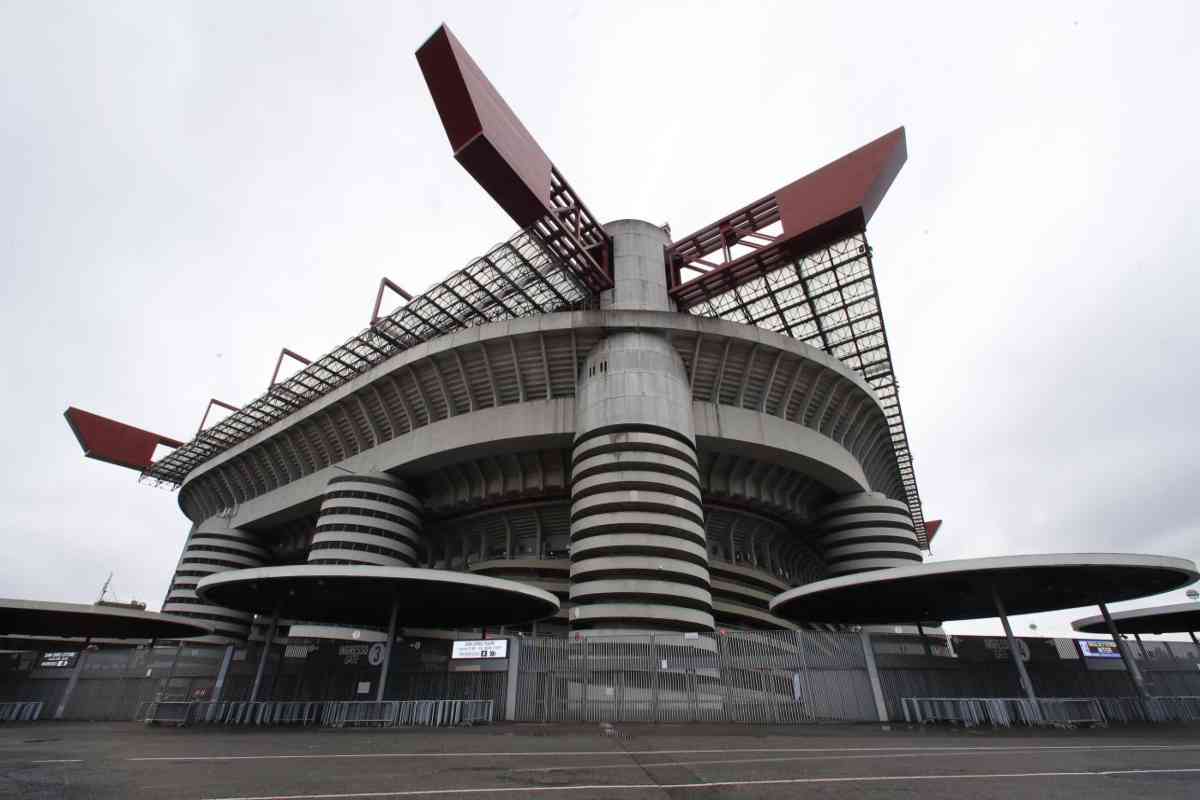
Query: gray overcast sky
<point>185,188</point>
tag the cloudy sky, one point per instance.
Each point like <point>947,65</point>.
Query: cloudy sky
<point>185,188</point>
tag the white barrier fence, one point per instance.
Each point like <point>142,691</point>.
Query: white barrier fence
<point>20,711</point>
<point>1003,712</point>
<point>328,713</point>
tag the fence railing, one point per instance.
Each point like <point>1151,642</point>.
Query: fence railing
<point>327,713</point>
<point>20,711</point>
<point>1004,712</point>
<point>732,676</point>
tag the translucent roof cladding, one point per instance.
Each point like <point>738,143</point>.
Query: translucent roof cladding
<point>515,279</point>
<point>828,299</point>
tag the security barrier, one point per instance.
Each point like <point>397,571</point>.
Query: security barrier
<point>330,714</point>
<point>20,711</point>
<point>1004,712</point>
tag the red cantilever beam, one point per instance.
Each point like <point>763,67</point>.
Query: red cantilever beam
<point>386,283</point>
<point>213,402</point>
<point>279,362</point>
<point>115,442</point>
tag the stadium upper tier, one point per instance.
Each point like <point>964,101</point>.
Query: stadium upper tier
<point>538,358</point>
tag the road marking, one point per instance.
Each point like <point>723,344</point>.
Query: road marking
<point>721,784</point>
<point>60,761</point>
<point>545,754</point>
<point>640,765</point>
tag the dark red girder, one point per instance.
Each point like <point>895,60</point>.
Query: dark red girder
<point>115,442</point>
<point>835,201</point>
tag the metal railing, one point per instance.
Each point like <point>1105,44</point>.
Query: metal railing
<point>20,711</point>
<point>327,713</point>
<point>1003,712</point>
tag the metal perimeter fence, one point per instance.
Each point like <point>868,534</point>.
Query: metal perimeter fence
<point>1004,712</point>
<point>734,676</point>
<point>330,714</point>
<point>21,711</point>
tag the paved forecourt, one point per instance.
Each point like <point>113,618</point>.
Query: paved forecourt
<point>591,761</point>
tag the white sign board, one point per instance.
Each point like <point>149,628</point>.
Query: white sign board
<point>1098,648</point>
<point>480,648</point>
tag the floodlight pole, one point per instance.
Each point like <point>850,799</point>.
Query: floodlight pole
<point>262,659</point>
<point>387,650</point>
<point>1135,674</point>
<point>1026,684</point>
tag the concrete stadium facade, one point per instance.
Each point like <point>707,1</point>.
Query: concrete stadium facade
<point>655,470</point>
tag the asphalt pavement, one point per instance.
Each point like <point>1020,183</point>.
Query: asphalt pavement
<point>98,761</point>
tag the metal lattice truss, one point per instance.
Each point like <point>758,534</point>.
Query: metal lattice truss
<point>518,278</point>
<point>827,298</point>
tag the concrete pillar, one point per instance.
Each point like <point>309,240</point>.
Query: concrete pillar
<point>214,539</point>
<point>74,680</point>
<point>387,650</point>
<point>1135,674</point>
<point>262,659</point>
<point>514,670</point>
<point>350,514</point>
<point>635,482</point>
<point>866,531</point>
<point>219,686</point>
<point>1026,684</point>
<point>873,675</point>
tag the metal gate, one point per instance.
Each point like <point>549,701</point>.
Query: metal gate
<point>737,676</point>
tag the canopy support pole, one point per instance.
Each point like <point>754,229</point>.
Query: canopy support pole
<point>924,640</point>
<point>387,649</point>
<point>1135,674</point>
<point>1142,647</point>
<point>1194,640</point>
<point>74,681</point>
<point>1026,684</point>
<point>262,659</point>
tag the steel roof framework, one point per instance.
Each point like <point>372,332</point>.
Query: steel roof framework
<point>519,278</point>
<point>826,298</point>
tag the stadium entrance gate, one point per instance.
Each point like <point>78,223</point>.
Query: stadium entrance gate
<point>731,676</point>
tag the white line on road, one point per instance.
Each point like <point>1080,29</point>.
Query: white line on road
<point>548,753</point>
<point>60,761</point>
<point>940,754</point>
<point>720,784</point>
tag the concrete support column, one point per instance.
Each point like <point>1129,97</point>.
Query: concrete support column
<point>368,519</point>
<point>219,686</point>
<point>514,671</point>
<point>866,531</point>
<point>639,557</point>
<point>873,675</point>
<point>266,652</point>
<point>74,681</point>
<point>1026,684</point>
<point>211,547</point>
<point>387,650</point>
<point>1135,674</point>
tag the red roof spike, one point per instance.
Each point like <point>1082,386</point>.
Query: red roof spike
<point>931,529</point>
<point>115,442</point>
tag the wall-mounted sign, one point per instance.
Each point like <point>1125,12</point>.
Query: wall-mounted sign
<point>1098,648</point>
<point>480,648</point>
<point>58,660</point>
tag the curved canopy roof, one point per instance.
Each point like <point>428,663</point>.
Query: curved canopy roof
<point>1178,618</point>
<point>35,618</point>
<point>950,590</point>
<point>363,595</point>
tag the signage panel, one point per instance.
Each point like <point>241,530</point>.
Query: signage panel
<point>59,659</point>
<point>1098,648</point>
<point>480,648</point>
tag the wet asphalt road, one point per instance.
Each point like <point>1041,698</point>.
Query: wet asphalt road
<point>588,761</point>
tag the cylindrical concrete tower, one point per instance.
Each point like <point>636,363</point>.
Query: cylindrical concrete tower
<point>867,531</point>
<point>638,554</point>
<point>213,546</point>
<point>368,519</point>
